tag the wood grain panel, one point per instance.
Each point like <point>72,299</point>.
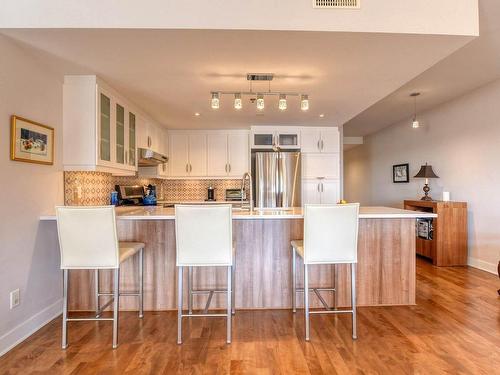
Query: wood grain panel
<point>386,268</point>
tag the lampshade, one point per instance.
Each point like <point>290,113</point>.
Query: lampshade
<point>426,172</point>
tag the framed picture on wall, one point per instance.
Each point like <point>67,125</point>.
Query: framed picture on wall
<point>31,141</point>
<point>401,173</point>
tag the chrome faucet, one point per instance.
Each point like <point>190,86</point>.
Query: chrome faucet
<point>248,176</point>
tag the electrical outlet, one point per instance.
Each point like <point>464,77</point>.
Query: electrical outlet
<point>15,298</point>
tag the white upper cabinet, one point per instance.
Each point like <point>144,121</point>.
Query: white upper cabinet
<point>197,154</point>
<point>210,154</point>
<point>238,153</point>
<point>325,139</point>
<point>151,136</point>
<point>217,154</point>
<point>188,154</point>
<point>179,154</point>
<point>99,128</point>
<point>265,137</point>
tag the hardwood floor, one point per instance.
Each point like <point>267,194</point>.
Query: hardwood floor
<point>454,328</point>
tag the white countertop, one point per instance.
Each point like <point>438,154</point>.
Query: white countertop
<point>161,213</point>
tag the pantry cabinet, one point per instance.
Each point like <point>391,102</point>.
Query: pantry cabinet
<point>99,128</point>
<point>320,166</point>
<point>320,191</point>
<point>321,140</point>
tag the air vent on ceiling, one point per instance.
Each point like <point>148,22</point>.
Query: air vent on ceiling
<point>336,4</point>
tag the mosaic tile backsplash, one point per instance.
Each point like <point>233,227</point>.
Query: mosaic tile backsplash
<point>96,187</point>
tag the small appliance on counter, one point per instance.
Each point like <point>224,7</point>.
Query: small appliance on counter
<point>149,196</point>
<point>136,195</point>
<point>234,195</point>
<point>210,194</point>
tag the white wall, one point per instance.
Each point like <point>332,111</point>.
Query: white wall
<point>453,17</point>
<point>29,255</point>
<point>461,140</point>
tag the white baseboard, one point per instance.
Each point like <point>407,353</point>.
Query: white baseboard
<point>482,265</point>
<point>21,332</point>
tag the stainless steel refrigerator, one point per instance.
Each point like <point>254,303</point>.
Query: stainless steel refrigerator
<point>276,178</point>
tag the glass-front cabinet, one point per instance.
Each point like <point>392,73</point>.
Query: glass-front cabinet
<point>120,134</point>
<point>131,139</point>
<point>263,137</point>
<point>105,128</point>
<point>117,133</point>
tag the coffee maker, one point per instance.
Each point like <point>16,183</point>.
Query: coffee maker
<point>210,194</point>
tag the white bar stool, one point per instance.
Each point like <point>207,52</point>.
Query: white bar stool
<point>204,238</point>
<point>330,237</point>
<point>88,240</point>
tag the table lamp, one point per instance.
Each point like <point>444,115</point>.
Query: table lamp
<point>426,172</point>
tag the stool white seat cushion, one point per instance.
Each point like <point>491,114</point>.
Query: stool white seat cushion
<point>298,245</point>
<point>127,249</point>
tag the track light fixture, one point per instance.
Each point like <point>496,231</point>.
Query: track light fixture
<point>261,77</point>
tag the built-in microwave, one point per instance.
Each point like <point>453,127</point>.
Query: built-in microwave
<point>425,229</point>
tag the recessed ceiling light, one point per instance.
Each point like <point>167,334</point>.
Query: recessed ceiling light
<point>197,114</point>
<point>322,115</point>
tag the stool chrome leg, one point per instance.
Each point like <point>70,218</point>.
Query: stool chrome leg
<point>334,266</point>
<point>233,284</point>
<point>353,300</point>
<point>141,283</point>
<point>116,306</point>
<point>294,282</point>
<point>190,290</point>
<point>229,304</point>
<point>306,300</point>
<point>64,344</point>
<point>179,305</point>
<point>96,281</point>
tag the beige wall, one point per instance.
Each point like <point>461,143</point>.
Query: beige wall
<point>461,139</point>
<point>29,255</point>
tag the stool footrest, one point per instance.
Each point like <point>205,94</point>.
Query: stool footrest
<point>330,312</point>
<point>87,319</point>
<point>121,294</point>
<point>206,291</point>
<point>204,315</point>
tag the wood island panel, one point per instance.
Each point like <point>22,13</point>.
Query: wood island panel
<point>385,274</point>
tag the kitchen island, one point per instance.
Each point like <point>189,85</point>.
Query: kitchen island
<point>385,271</point>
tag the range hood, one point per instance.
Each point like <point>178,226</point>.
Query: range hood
<point>150,158</point>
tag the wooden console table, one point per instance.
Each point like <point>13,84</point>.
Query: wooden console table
<point>448,246</point>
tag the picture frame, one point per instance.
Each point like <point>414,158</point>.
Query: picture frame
<point>401,173</point>
<point>30,141</point>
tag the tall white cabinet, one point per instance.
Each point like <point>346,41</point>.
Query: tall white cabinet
<point>320,148</point>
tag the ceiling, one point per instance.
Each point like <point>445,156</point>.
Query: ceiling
<point>472,66</point>
<point>170,73</point>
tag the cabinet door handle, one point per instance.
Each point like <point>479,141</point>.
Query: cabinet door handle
<point>190,168</point>
<point>319,148</point>
<point>126,157</point>
<point>322,144</point>
<point>187,168</point>
<point>322,187</point>
<point>318,187</point>
<point>229,168</point>
<point>225,167</point>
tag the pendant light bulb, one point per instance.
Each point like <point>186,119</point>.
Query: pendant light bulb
<point>260,102</point>
<point>282,102</point>
<point>304,102</point>
<point>415,124</point>
<point>215,102</point>
<point>238,104</point>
